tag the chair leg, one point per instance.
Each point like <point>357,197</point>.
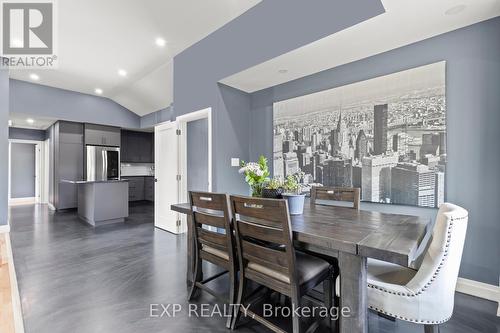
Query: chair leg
<point>336,299</point>
<point>328,294</point>
<point>232,296</point>
<point>195,277</point>
<point>239,301</point>
<point>431,328</point>
<point>336,276</point>
<point>295,319</point>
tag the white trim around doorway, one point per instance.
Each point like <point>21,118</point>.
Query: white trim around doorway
<point>41,173</point>
<point>182,125</point>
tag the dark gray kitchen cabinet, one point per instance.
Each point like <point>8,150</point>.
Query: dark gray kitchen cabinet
<point>70,168</point>
<point>137,147</point>
<point>123,146</point>
<point>140,188</point>
<point>135,188</point>
<point>66,151</point>
<point>149,188</point>
<point>100,135</point>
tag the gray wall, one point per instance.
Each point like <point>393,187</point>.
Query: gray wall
<point>472,57</point>
<point>157,117</point>
<point>26,134</point>
<point>4,145</point>
<point>22,170</point>
<point>231,134</point>
<point>248,40</point>
<point>42,101</point>
<point>197,155</point>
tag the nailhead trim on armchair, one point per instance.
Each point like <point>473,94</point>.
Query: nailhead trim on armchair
<point>427,285</point>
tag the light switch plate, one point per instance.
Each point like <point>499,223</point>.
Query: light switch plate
<point>235,162</point>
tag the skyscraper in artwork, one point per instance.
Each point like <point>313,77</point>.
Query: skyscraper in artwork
<point>376,177</point>
<point>291,163</point>
<point>337,172</point>
<point>361,145</point>
<point>342,136</point>
<point>380,117</point>
<point>416,184</point>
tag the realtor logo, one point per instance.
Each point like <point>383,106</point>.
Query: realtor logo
<point>28,34</point>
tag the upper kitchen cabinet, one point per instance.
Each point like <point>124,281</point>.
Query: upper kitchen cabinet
<point>137,147</point>
<point>100,135</point>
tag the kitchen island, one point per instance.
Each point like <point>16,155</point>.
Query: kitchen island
<point>103,201</point>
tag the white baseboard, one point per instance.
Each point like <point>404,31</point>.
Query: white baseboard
<point>479,289</point>
<point>4,228</point>
<point>22,201</point>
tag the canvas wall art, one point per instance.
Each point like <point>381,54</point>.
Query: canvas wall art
<point>386,135</point>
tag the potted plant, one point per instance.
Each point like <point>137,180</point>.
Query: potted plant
<point>273,188</point>
<point>293,193</point>
<point>256,174</point>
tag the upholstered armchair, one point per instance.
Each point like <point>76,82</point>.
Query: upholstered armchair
<point>425,296</point>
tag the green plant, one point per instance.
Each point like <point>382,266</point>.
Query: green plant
<point>256,174</point>
<point>292,183</point>
<point>274,183</point>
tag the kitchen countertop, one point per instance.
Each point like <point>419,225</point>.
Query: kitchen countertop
<point>138,176</point>
<point>94,181</point>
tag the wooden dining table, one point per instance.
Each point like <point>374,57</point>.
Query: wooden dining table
<point>352,236</point>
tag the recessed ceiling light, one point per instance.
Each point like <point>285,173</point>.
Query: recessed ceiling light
<point>10,122</point>
<point>30,121</point>
<point>122,72</point>
<point>98,91</point>
<point>455,10</point>
<point>34,77</point>
<point>283,71</point>
<point>160,42</point>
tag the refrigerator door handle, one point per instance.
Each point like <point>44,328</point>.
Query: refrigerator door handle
<point>104,165</point>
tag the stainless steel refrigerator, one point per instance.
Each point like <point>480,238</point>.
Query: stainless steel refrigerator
<point>103,163</point>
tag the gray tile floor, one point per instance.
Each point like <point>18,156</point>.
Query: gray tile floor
<point>74,278</point>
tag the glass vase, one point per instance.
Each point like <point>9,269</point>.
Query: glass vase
<point>256,190</point>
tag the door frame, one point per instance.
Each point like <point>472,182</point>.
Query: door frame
<point>41,172</point>
<point>182,125</point>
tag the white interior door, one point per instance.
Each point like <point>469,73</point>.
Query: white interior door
<point>166,182</point>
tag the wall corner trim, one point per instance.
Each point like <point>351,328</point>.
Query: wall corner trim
<point>479,289</point>
<point>4,228</point>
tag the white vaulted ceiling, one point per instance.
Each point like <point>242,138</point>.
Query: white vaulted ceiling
<point>404,22</point>
<point>96,38</point>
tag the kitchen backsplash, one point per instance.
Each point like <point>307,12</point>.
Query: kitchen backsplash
<point>137,169</point>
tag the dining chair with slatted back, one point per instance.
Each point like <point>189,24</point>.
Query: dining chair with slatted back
<point>342,194</point>
<point>266,256</point>
<point>346,194</point>
<point>214,242</point>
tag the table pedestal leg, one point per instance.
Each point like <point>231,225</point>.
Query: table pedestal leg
<point>353,293</point>
<point>191,257</point>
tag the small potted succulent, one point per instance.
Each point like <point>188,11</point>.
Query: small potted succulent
<point>292,191</point>
<point>273,188</point>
